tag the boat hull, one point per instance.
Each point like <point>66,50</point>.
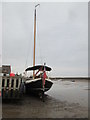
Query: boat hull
<point>35,86</point>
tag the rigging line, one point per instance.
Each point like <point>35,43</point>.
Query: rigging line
<point>29,47</point>
<point>41,59</point>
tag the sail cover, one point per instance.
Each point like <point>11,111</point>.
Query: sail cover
<point>39,67</point>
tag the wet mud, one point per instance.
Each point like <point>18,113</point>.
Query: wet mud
<point>66,99</point>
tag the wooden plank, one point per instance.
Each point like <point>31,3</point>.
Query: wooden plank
<point>10,90</point>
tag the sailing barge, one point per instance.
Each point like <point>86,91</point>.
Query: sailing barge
<point>40,82</point>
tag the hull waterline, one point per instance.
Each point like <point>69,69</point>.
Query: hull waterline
<point>35,86</point>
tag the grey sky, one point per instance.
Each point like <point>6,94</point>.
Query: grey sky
<point>62,37</point>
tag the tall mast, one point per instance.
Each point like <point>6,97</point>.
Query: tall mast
<point>34,39</point>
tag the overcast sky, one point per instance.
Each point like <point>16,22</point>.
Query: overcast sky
<point>61,42</point>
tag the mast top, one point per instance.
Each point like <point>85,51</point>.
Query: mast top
<point>36,5</point>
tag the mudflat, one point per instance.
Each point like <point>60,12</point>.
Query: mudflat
<point>66,99</point>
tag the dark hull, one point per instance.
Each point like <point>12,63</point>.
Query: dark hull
<point>36,86</point>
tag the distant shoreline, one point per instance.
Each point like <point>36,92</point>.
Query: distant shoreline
<point>57,78</point>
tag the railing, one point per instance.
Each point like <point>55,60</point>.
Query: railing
<point>12,87</point>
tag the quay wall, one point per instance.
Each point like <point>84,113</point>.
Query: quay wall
<point>12,87</point>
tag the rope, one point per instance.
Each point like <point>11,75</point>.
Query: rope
<point>29,48</point>
<point>38,41</point>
